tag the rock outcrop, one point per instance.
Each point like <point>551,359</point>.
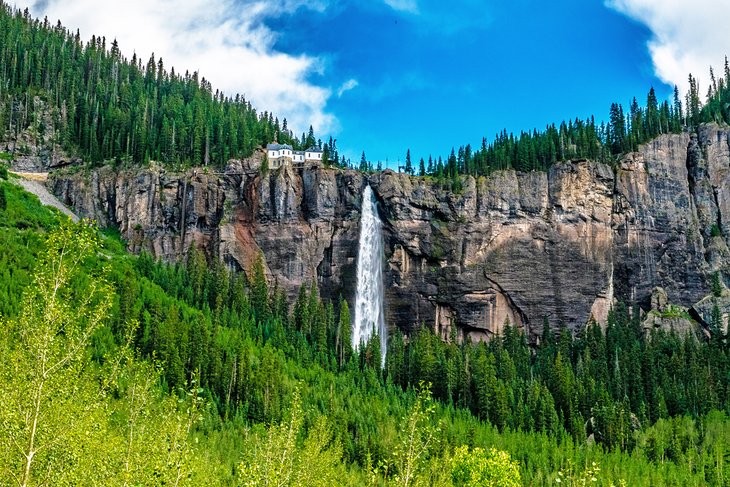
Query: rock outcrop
<point>526,248</point>
<point>35,147</point>
<point>667,316</point>
<point>304,222</point>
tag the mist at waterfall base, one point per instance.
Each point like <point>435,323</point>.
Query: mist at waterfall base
<point>369,317</point>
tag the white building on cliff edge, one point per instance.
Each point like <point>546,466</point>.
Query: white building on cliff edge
<point>280,154</point>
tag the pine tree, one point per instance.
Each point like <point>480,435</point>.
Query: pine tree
<point>653,126</point>
<point>693,103</point>
<point>344,334</point>
<point>678,118</point>
<point>409,164</point>
<point>310,140</point>
<point>616,129</point>
<point>260,290</point>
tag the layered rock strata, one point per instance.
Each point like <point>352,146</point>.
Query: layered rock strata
<point>557,247</point>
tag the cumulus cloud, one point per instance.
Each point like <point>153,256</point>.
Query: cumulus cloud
<point>688,36</point>
<point>226,41</point>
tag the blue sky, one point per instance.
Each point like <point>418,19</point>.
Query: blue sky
<point>449,76</point>
<point>387,75</point>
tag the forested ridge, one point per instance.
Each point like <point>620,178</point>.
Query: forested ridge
<point>90,100</point>
<point>623,132</point>
<point>87,98</point>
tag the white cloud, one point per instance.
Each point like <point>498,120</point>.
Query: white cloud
<point>348,85</point>
<point>689,36</point>
<point>403,5</point>
<point>226,41</point>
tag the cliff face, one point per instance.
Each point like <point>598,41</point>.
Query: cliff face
<point>304,222</point>
<point>560,246</point>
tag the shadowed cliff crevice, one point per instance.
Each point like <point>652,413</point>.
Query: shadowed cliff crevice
<point>524,319</point>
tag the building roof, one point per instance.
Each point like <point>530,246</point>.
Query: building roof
<point>313,149</point>
<point>298,152</point>
<point>278,147</point>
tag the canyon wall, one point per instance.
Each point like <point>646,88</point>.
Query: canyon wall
<point>559,247</point>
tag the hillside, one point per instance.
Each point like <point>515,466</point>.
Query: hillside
<point>239,342</point>
<point>63,100</point>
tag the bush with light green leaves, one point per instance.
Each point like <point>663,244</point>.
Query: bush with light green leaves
<point>480,467</point>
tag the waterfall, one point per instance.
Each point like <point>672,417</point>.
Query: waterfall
<point>369,318</point>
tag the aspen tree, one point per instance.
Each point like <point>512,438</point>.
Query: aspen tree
<point>44,354</point>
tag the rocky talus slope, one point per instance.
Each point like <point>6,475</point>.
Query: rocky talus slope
<point>35,183</point>
<point>527,248</point>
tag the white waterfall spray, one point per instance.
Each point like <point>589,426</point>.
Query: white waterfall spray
<point>369,318</point>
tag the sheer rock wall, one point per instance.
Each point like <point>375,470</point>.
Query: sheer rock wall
<point>559,246</point>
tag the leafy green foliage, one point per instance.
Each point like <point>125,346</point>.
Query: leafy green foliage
<point>280,458</point>
<point>569,477</point>
<point>479,467</point>
<point>417,440</point>
<point>46,346</point>
<point>22,221</point>
<point>61,415</point>
<point>22,210</point>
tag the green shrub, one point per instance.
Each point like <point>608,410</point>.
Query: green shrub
<point>479,467</point>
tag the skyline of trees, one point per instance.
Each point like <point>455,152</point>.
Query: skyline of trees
<point>97,104</point>
<point>577,139</point>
